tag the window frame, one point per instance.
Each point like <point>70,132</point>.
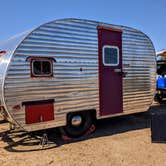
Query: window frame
<point>103,53</point>
<point>42,60</point>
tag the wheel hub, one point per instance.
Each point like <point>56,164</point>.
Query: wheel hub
<point>76,120</point>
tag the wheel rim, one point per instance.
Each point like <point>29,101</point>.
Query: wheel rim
<point>76,121</point>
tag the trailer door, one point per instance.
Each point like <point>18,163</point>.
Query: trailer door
<point>110,71</point>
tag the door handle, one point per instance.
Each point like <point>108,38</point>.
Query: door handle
<point>120,72</point>
<point>117,70</point>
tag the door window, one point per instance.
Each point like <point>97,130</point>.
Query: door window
<point>110,55</point>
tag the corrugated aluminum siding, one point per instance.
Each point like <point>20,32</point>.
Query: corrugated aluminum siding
<point>9,46</point>
<point>74,45</point>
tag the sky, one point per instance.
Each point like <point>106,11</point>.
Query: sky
<point>148,16</point>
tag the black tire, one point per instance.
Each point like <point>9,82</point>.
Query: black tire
<point>158,98</point>
<point>77,131</point>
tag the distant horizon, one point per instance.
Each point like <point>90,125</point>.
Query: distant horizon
<point>147,16</point>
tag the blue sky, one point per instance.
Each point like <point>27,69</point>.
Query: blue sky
<point>147,15</point>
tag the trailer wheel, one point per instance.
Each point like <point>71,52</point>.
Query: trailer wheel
<point>78,124</point>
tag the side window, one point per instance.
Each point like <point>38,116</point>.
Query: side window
<point>41,67</point>
<point>110,55</point>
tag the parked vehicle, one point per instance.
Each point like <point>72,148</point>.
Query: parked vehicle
<point>161,76</point>
<point>67,72</point>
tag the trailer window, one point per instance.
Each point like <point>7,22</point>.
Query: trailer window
<point>41,68</point>
<point>110,55</point>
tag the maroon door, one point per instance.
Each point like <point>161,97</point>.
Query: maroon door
<point>110,71</point>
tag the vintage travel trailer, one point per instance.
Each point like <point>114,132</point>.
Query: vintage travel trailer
<point>67,72</point>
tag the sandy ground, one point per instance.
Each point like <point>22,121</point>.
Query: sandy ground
<point>117,141</point>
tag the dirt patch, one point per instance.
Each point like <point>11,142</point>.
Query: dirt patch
<point>117,141</point>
